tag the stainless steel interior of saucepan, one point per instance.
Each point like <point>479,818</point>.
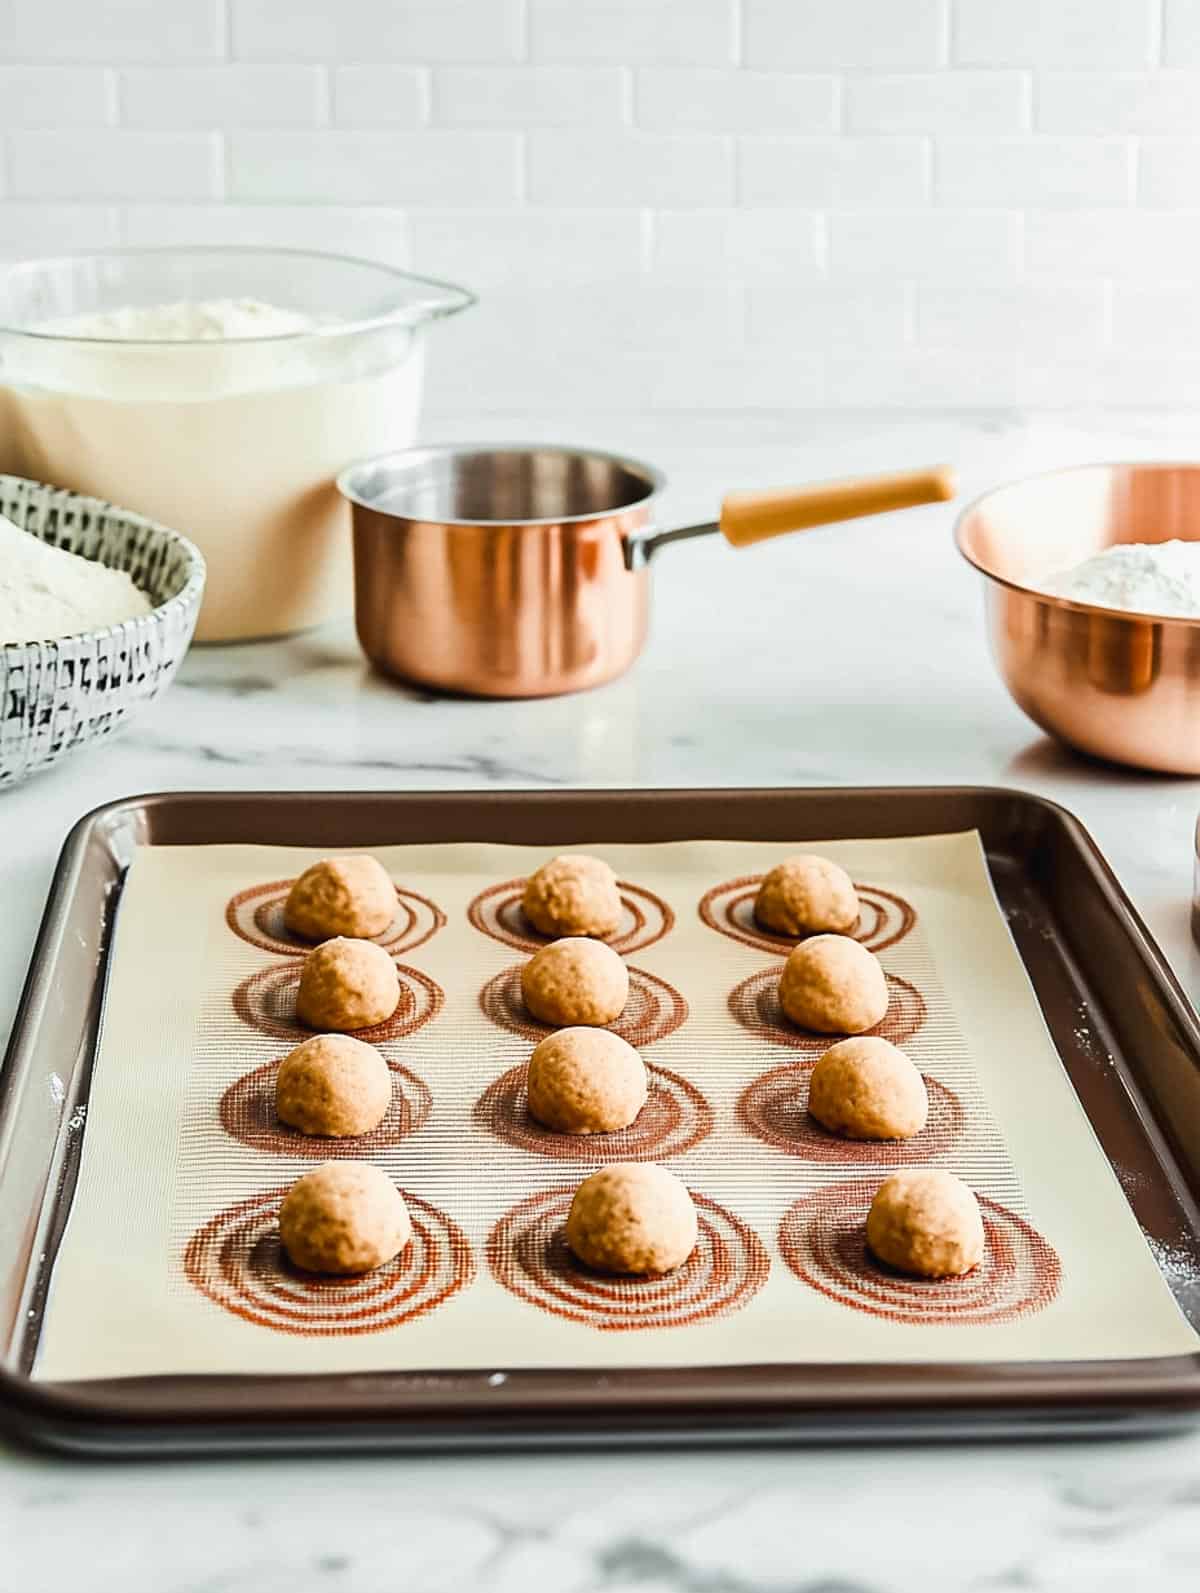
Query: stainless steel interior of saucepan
<point>507,484</point>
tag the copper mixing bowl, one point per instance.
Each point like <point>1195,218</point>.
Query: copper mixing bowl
<point>1109,682</point>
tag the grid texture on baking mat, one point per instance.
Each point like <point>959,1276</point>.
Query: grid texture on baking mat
<point>171,1263</point>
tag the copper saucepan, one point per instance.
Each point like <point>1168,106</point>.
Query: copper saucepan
<point>521,572</point>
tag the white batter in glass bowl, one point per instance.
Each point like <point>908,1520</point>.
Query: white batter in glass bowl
<point>218,391</point>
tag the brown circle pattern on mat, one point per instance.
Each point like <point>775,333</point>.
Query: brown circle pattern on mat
<point>267,1002</point>
<point>247,1111</point>
<point>755,1005</point>
<point>774,1109</point>
<point>528,1255</point>
<point>654,1009</point>
<point>236,1259</point>
<point>674,1119</point>
<point>823,1241</point>
<point>496,912</point>
<point>256,916</point>
<point>884,918</point>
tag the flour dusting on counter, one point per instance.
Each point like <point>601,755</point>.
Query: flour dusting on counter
<point>1145,577</point>
<point>47,592</point>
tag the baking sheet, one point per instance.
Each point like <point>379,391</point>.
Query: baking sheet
<point>1074,1278</point>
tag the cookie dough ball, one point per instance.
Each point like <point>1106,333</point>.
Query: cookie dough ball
<point>868,1089</point>
<point>575,981</point>
<point>807,895</point>
<point>347,984</point>
<point>926,1223</point>
<point>343,1218</point>
<point>341,896</point>
<point>573,896</point>
<point>586,1081</point>
<point>333,1085</point>
<point>833,985</point>
<point>632,1217</point>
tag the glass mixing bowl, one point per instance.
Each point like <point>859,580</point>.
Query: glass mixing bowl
<point>234,441</point>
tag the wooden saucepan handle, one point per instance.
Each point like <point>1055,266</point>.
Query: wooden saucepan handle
<point>748,517</point>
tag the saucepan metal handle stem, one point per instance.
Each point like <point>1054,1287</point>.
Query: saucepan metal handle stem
<point>641,548</point>
<point>748,517</point>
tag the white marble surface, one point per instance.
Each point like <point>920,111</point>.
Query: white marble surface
<point>850,656</point>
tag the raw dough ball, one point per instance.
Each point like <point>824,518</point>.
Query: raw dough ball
<point>868,1089</point>
<point>341,896</point>
<point>632,1217</point>
<point>807,895</point>
<point>343,1217</point>
<point>575,981</point>
<point>347,984</point>
<point>927,1223</point>
<point>573,896</point>
<point>833,985</point>
<point>586,1081</point>
<point>333,1085</point>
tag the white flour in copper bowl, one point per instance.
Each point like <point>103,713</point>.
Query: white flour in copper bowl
<point>1161,578</point>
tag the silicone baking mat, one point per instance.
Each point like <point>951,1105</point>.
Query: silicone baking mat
<point>170,1262</point>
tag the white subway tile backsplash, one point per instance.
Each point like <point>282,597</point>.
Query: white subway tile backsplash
<point>926,243</point>
<point>1164,317</point>
<point>221,96</point>
<point>619,382</point>
<point>629,169</point>
<point>1040,316</point>
<point>369,230</point>
<point>529,247</point>
<point>868,35</point>
<point>1068,173</point>
<point>1169,173</point>
<point>529,96</point>
<point>111,30</point>
<point>938,102</point>
<point>714,101</point>
<point>934,378</point>
<point>1112,243</point>
<point>746,243</point>
<point>1181,33</point>
<point>41,227</point>
<point>698,32</point>
<point>377,30</point>
<point>106,163</point>
<point>392,168</point>
<point>634,312</point>
<point>754,203</point>
<point>1118,102</point>
<point>381,96</point>
<point>1063,33</point>
<point>812,317</point>
<point>1123,380</point>
<point>833,173</point>
<point>694,379</point>
<point>55,96</point>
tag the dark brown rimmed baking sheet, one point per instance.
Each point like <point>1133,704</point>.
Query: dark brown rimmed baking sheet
<point>1127,1035</point>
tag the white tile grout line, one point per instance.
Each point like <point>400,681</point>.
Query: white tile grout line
<point>1157,32</point>
<point>325,95</point>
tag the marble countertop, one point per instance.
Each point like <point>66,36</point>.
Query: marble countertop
<point>854,655</point>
